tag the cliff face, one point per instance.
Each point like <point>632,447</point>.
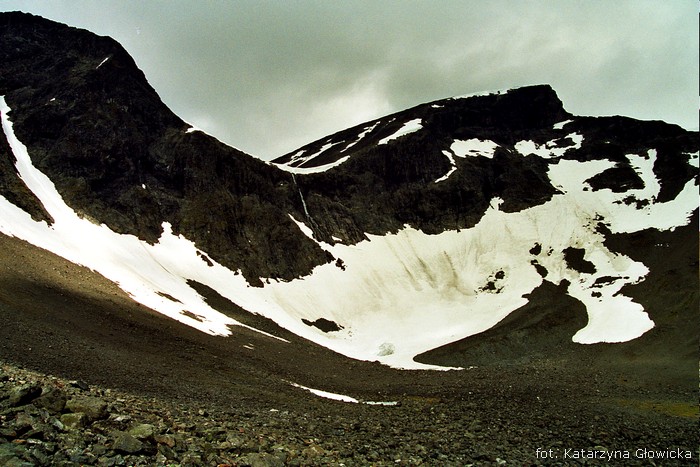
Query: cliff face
<point>119,156</point>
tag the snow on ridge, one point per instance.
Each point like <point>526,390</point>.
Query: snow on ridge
<point>410,126</point>
<point>298,156</point>
<point>309,170</point>
<point>499,92</point>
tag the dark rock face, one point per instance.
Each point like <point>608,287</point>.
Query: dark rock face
<point>384,186</point>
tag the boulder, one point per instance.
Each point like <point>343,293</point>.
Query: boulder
<point>93,407</point>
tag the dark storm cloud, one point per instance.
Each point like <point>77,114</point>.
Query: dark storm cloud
<point>268,77</point>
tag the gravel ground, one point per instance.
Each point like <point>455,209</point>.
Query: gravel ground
<point>52,421</point>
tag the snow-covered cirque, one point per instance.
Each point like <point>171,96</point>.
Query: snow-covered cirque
<point>400,294</point>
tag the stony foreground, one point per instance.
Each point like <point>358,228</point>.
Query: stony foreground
<point>52,421</point>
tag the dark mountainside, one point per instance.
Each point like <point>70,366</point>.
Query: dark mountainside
<point>95,126</point>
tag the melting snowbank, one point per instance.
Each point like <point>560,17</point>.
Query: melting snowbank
<point>341,397</point>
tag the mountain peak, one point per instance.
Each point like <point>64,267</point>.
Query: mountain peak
<point>516,110</point>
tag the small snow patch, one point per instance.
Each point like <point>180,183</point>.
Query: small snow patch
<point>409,127</point>
<point>303,227</point>
<point>341,397</point>
<point>550,149</point>
<point>452,168</point>
<point>326,394</point>
<point>474,147</point>
<point>364,133</point>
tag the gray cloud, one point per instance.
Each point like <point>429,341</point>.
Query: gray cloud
<point>268,77</point>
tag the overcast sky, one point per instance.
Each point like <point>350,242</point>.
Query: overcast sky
<point>268,77</point>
